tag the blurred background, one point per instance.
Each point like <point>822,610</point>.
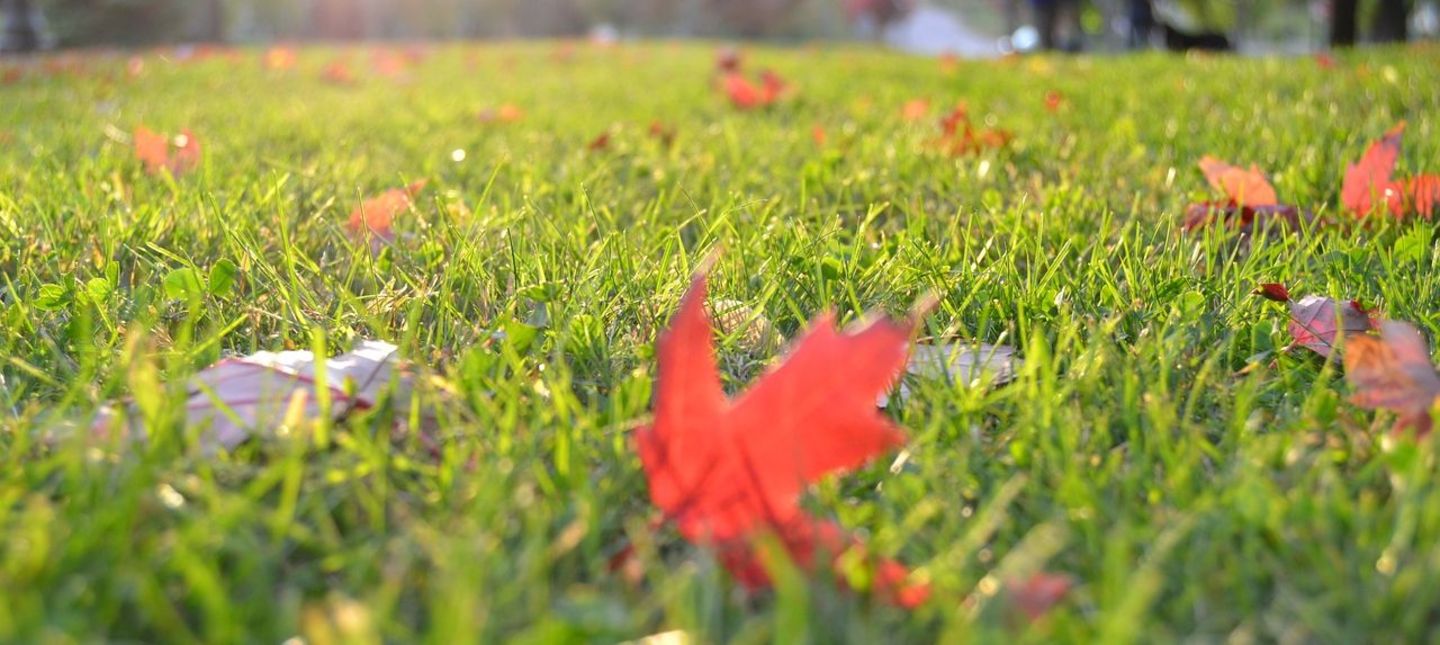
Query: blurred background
<point>963,27</point>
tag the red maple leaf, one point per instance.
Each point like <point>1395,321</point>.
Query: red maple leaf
<point>725,470</point>
<point>1367,184</point>
<point>1393,372</point>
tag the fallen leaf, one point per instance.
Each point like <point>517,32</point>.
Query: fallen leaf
<point>1280,218</point>
<point>599,143</point>
<point>1423,191</point>
<point>958,136</point>
<point>915,110</point>
<point>236,396</point>
<point>746,95</point>
<point>966,364</point>
<point>504,113</point>
<point>1393,372</point>
<point>1245,187</point>
<point>663,133</point>
<point>1036,595</point>
<point>374,218</point>
<point>338,72</point>
<point>1369,179</point>
<point>1317,321</point>
<point>279,58</point>
<point>726,470</point>
<point>728,59</point>
<point>159,153</point>
<point>1053,100</point>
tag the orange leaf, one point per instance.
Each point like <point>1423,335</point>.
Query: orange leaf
<point>1369,179</point>
<point>915,109</point>
<point>155,154</point>
<point>376,216</point>
<point>153,150</point>
<point>1246,187</point>
<point>1393,372</point>
<point>338,72</point>
<point>279,58</point>
<point>726,469</point>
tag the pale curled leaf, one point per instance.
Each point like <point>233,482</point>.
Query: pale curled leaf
<point>236,396</point>
<point>966,364</point>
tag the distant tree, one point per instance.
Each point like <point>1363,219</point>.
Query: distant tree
<point>752,18</point>
<point>21,34</point>
<point>1344,15</point>
<point>1392,22</point>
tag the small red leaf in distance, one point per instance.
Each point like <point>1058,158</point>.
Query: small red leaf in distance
<point>1393,372</point>
<point>1273,291</point>
<point>152,149</point>
<point>1367,184</point>
<point>726,469</point>
<point>1244,186</point>
<point>187,153</point>
<point>1053,100</point>
<point>915,109</point>
<point>1037,595</point>
<point>599,143</point>
<point>376,216</point>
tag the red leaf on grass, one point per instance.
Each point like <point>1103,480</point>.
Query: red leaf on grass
<point>1037,595</point>
<point>1250,201</point>
<point>728,60</point>
<point>727,469</point>
<point>915,109</point>
<point>599,143</point>
<point>1053,100</point>
<point>374,218</point>
<point>1244,186</point>
<point>279,58</point>
<point>1317,321</point>
<point>338,72</point>
<point>1394,372</point>
<point>745,94</point>
<point>818,134</point>
<point>1423,192</point>
<point>1367,186</point>
<point>663,133</point>
<point>504,113</point>
<point>158,153</point>
<point>958,136</point>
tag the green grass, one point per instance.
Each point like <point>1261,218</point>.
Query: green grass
<point>1194,482</point>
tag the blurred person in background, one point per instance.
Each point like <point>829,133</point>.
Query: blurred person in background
<point>1049,16</point>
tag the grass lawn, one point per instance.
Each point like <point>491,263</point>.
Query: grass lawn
<point>1155,446</point>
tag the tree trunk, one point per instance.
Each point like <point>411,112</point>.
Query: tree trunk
<point>1343,15</point>
<point>21,34</point>
<point>1391,22</point>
